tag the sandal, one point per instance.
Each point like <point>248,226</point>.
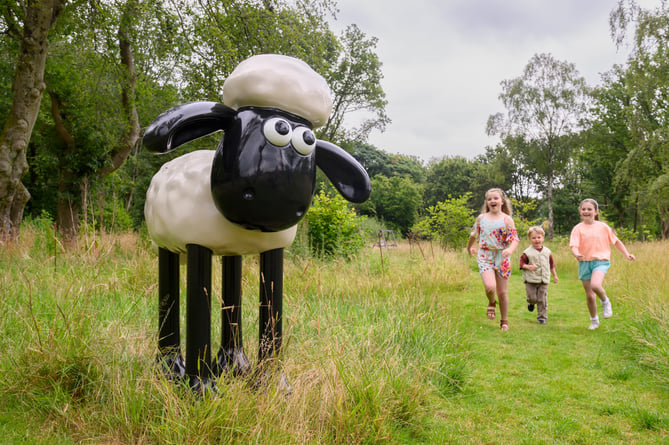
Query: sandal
<point>491,311</point>
<point>504,325</point>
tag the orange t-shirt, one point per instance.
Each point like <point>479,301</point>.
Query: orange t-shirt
<point>593,241</point>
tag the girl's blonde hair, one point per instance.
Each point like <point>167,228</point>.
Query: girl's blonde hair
<point>506,202</point>
<point>594,203</point>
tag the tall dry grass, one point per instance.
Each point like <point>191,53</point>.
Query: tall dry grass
<point>370,345</point>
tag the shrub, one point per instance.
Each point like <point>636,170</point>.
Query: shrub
<point>448,222</point>
<point>333,229</point>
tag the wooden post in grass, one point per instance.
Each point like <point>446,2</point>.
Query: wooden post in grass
<point>380,242</point>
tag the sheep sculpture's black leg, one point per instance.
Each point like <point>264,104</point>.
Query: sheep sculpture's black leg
<point>231,358</point>
<point>198,318</point>
<point>271,320</point>
<point>169,338</point>
<point>271,302</point>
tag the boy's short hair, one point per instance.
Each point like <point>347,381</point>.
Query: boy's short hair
<point>538,229</point>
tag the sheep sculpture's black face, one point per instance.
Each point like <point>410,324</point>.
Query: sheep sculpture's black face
<point>264,170</point>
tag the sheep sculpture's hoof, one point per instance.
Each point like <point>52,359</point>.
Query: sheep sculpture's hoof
<point>172,366</point>
<point>232,362</point>
<point>203,387</point>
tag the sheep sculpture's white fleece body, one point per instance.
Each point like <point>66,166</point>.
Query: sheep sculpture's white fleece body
<point>180,210</point>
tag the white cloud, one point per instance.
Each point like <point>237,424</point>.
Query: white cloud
<point>443,61</point>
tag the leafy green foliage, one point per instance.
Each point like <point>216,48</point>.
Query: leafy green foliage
<point>449,222</point>
<point>449,176</point>
<point>333,228</point>
<point>523,215</point>
<point>378,162</point>
<point>355,80</point>
<point>545,107</point>
<point>394,200</point>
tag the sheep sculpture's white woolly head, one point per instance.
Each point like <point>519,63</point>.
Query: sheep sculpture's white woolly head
<point>283,82</point>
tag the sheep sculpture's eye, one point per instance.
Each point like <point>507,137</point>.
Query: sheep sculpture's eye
<point>277,131</point>
<point>304,140</point>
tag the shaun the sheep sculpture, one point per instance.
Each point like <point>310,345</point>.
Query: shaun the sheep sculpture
<point>244,198</point>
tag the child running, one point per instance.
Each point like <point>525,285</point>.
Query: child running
<point>497,238</point>
<point>590,242</point>
<point>537,265</point>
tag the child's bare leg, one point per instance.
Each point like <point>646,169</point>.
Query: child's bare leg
<point>489,285</point>
<point>591,298</point>
<point>502,294</point>
<point>596,284</point>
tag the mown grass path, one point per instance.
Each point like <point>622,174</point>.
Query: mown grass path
<point>556,383</point>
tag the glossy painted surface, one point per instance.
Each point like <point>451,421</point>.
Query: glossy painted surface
<point>185,123</point>
<point>280,82</point>
<point>244,198</point>
<point>180,210</point>
<point>260,185</point>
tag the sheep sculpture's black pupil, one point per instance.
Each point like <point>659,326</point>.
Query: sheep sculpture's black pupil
<point>282,127</point>
<point>308,137</point>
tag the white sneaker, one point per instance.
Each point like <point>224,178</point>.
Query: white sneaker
<point>594,324</point>
<point>607,310</point>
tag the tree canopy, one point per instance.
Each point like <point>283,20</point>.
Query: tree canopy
<point>75,97</point>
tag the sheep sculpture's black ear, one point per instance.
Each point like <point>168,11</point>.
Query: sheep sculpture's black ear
<point>346,174</point>
<point>185,123</point>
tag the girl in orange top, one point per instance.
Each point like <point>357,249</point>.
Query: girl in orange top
<point>590,242</point>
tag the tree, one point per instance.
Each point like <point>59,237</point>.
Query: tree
<point>31,25</point>
<point>607,143</point>
<point>219,34</point>
<point>449,176</point>
<point>646,82</point>
<point>544,106</point>
<point>356,85</point>
<point>378,162</point>
<point>395,200</point>
<point>91,81</point>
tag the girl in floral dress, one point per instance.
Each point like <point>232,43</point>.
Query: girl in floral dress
<point>497,239</point>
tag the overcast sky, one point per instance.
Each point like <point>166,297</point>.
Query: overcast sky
<point>443,61</point>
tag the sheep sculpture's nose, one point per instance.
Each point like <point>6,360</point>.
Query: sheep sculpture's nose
<point>249,194</point>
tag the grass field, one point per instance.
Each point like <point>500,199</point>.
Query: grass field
<point>392,348</point>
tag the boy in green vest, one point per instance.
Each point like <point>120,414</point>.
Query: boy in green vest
<point>537,265</point>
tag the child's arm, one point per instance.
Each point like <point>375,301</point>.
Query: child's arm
<point>553,269</point>
<point>506,253</point>
<point>471,250</point>
<point>576,253</point>
<point>472,238</point>
<point>620,246</point>
<point>524,263</point>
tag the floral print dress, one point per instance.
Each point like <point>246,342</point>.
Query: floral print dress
<point>494,236</point>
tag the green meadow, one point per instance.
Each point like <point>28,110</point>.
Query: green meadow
<point>390,347</point>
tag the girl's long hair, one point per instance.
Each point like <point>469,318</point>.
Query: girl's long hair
<point>594,203</point>
<point>506,202</point>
